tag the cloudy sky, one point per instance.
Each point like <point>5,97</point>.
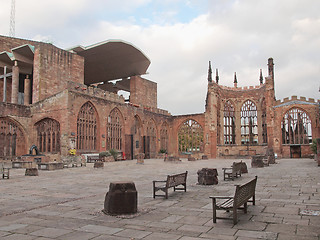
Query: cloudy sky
<point>180,37</point>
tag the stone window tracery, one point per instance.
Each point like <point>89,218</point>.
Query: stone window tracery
<point>164,137</point>
<point>249,123</point>
<point>190,137</point>
<point>114,130</point>
<point>11,138</point>
<point>296,127</point>
<point>151,135</point>
<point>229,123</point>
<point>264,121</point>
<point>218,122</point>
<point>48,135</point>
<point>87,128</point>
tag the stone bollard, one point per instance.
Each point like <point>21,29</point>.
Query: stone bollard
<point>122,198</point>
<point>271,157</point>
<point>257,161</point>
<point>208,176</point>
<point>31,172</point>
<point>140,158</point>
<point>172,159</point>
<point>98,164</point>
<point>244,168</point>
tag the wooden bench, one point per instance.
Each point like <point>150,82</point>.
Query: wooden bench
<point>92,159</point>
<point>173,181</point>
<point>5,172</point>
<point>243,194</point>
<point>232,172</point>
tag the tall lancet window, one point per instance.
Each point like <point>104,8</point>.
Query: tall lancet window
<point>164,136</point>
<point>12,140</point>
<point>296,127</point>
<point>48,135</point>
<point>114,130</point>
<point>229,123</point>
<point>87,128</point>
<point>264,121</point>
<point>249,123</point>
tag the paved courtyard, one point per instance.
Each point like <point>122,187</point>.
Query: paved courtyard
<point>67,203</point>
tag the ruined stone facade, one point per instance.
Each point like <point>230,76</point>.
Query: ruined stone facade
<point>249,120</point>
<point>46,102</point>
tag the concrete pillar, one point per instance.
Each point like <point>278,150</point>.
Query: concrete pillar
<point>15,83</point>
<point>27,90</point>
<point>5,84</point>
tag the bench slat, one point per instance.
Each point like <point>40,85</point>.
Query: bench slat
<point>242,196</point>
<point>226,204</point>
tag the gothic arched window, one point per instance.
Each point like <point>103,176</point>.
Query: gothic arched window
<point>296,127</point>
<point>164,137</point>
<point>48,135</point>
<point>87,128</point>
<point>249,123</point>
<point>150,140</point>
<point>190,136</point>
<point>229,123</point>
<point>12,140</point>
<point>218,123</point>
<point>114,130</point>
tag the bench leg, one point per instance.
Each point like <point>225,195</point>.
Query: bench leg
<point>245,207</point>
<point>166,193</point>
<point>154,189</point>
<point>214,210</point>
<point>235,216</point>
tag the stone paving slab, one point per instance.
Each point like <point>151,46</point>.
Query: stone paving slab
<point>66,204</point>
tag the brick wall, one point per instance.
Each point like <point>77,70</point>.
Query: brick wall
<point>143,92</point>
<point>53,68</point>
<point>7,43</point>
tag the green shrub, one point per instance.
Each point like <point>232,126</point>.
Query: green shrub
<point>114,153</point>
<point>163,151</point>
<point>314,146</point>
<point>104,154</point>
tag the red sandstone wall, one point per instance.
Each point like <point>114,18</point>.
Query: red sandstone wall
<point>103,108</point>
<point>7,43</point>
<point>54,107</point>
<point>143,92</point>
<point>312,111</point>
<point>53,68</point>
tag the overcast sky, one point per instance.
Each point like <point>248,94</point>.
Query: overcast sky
<point>181,37</point>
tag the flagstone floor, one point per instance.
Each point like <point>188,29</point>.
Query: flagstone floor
<point>68,203</point>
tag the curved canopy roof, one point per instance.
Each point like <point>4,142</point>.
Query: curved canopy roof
<point>111,60</point>
<point>24,54</point>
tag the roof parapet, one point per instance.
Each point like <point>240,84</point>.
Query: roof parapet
<point>293,98</point>
<point>242,88</point>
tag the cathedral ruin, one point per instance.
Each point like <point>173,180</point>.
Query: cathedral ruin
<point>60,100</point>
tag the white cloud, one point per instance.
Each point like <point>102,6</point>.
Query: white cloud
<point>237,36</point>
